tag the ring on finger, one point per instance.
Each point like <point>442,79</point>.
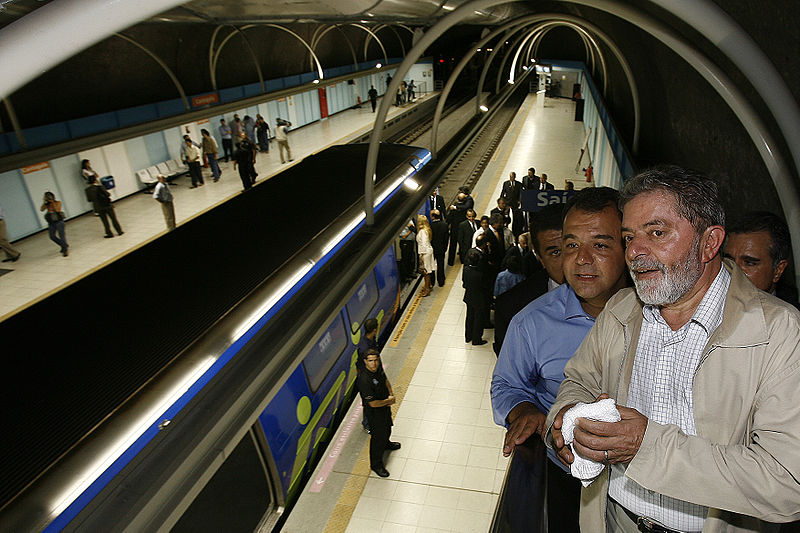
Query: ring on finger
<point>606,452</point>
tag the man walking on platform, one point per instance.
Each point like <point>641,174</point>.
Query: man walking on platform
<point>373,97</point>
<point>101,201</point>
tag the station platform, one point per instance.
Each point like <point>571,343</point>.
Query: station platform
<point>448,474</point>
<point>42,270</point>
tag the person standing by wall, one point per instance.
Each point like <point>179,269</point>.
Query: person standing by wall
<point>210,150</point>
<point>191,156</point>
<point>55,221</point>
<point>283,139</point>
<point>163,195</point>
<point>12,254</point>
<point>101,200</point>
<point>227,140</point>
<point>377,395</point>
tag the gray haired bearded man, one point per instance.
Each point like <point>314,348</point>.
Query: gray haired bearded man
<point>704,369</point>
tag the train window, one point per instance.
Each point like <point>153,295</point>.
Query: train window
<point>362,302</point>
<point>237,498</point>
<point>325,352</point>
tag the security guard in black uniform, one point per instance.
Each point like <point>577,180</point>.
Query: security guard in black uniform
<point>376,396</point>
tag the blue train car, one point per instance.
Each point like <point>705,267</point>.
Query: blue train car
<point>224,432</point>
<point>303,413</point>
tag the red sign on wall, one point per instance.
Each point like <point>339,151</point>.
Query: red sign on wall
<point>323,102</point>
<point>36,167</point>
<point>205,99</point>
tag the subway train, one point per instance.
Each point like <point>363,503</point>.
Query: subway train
<point>202,398</point>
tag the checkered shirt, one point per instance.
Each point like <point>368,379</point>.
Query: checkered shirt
<point>661,389</point>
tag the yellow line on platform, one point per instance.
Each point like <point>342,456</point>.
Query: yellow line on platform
<point>343,511</point>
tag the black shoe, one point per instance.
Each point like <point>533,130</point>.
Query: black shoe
<point>109,236</point>
<point>11,259</point>
<point>121,233</point>
<point>381,471</point>
<point>65,252</point>
<point>468,341</point>
<point>479,343</point>
<point>392,446</point>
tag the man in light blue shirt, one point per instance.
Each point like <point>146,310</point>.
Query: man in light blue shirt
<point>546,333</point>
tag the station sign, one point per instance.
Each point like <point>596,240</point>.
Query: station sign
<point>535,200</point>
<point>34,168</point>
<point>205,99</point>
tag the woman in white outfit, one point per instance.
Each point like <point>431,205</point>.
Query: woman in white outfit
<point>426,261</point>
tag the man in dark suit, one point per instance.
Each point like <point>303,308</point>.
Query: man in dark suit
<point>101,202</point>
<point>436,201</point>
<point>456,214</point>
<point>497,243</point>
<point>514,218</point>
<point>477,287</point>
<point>439,243</point>
<point>531,180</point>
<point>546,239</point>
<point>527,259</point>
<point>511,191</point>
<point>544,185</point>
<point>465,232</point>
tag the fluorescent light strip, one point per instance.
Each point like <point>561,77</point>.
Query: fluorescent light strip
<point>116,450</point>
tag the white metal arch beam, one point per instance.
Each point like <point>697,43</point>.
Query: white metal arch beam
<point>765,144</point>
<point>370,35</point>
<point>626,68</point>
<point>162,65</point>
<point>213,62</point>
<point>318,35</point>
<point>47,36</point>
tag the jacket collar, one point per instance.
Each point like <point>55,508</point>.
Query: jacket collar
<point>743,321</point>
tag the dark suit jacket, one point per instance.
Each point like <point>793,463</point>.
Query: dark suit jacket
<point>513,301</point>
<point>440,237</point>
<point>98,195</point>
<point>530,264</point>
<point>477,283</point>
<point>511,192</point>
<point>518,223</point>
<point>465,233</point>
<point>497,250</point>
<point>547,186</point>
<point>529,183</point>
<point>437,203</point>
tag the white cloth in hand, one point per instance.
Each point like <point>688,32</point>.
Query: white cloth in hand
<point>604,411</point>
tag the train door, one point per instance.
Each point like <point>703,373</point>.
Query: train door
<point>241,496</point>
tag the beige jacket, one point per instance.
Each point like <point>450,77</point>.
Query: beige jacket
<point>745,460</point>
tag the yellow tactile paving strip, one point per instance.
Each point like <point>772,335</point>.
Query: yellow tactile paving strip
<point>340,518</point>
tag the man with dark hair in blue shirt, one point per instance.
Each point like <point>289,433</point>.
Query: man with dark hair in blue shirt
<point>545,334</point>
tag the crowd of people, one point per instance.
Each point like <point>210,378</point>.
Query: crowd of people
<point>648,299</point>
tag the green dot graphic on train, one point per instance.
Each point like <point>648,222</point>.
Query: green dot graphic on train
<point>303,410</point>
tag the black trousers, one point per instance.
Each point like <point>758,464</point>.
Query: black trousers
<point>196,173</point>
<point>104,215</point>
<point>563,500</point>
<point>227,146</point>
<point>451,249</point>
<point>473,327</point>
<point>246,174</point>
<point>439,274</point>
<point>380,424</point>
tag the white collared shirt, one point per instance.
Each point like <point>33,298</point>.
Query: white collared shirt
<point>661,389</point>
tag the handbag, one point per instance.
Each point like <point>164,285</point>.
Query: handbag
<point>53,217</point>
